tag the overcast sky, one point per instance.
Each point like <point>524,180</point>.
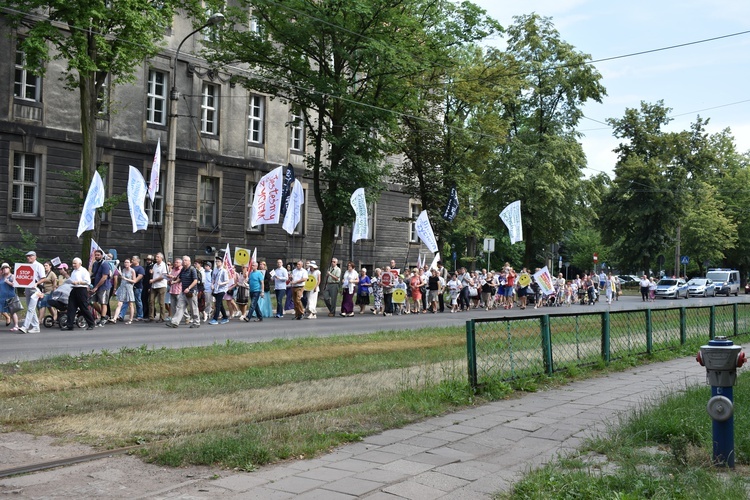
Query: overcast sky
<point>709,78</point>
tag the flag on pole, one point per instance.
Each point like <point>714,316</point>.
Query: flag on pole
<point>424,231</point>
<point>435,261</point>
<point>94,200</point>
<point>254,258</point>
<point>286,190</point>
<point>359,204</point>
<point>266,207</point>
<point>544,280</point>
<point>228,265</point>
<point>294,212</point>
<point>153,183</point>
<point>93,248</point>
<point>511,216</point>
<point>137,192</point>
<point>451,208</point>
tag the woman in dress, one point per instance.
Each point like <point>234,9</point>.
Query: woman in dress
<point>265,300</point>
<point>363,291</point>
<point>289,303</point>
<point>125,293</point>
<point>377,292</point>
<point>349,286</point>
<point>242,291</point>
<point>415,285</point>
<point>7,291</point>
<point>312,299</point>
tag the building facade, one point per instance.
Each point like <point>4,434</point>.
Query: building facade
<point>227,139</point>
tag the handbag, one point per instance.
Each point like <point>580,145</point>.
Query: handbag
<point>13,304</point>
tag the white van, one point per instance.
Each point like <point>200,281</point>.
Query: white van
<point>726,281</point>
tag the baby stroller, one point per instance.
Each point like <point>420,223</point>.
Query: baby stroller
<point>59,300</point>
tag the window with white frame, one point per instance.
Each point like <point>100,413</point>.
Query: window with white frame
<point>208,202</point>
<point>102,100</point>
<point>255,118</point>
<point>27,85</point>
<point>155,209</point>
<point>156,103</point>
<point>254,25</point>
<point>25,184</point>
<point>414,209</point>
<point>297,126</point>
<point>250,196</point>
<point>209,109</point>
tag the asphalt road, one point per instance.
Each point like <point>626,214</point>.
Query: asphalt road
<point>52,341</point>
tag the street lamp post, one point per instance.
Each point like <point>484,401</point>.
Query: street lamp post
<point>174,96</point>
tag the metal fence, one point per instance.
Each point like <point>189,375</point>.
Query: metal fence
<point>512,348</point>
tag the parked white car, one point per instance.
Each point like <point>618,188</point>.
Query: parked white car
<point>701,287</point>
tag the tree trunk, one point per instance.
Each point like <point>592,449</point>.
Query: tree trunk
<point>87,91</point>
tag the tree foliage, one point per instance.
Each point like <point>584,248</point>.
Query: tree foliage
<point>541,161</point>
<point>348,68</point>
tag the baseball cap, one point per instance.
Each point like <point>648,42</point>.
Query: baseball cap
<point>63,266</point>
<point>29,254</point>
<point>5,264</point>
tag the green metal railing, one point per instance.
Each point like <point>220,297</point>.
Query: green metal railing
<point>512,348</point>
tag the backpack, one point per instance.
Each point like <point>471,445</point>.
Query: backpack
<point>199,286</point>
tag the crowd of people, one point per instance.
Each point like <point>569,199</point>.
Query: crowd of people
<point>206,292</point>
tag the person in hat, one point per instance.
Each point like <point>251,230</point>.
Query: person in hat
<point>32,321</point>
<point>312,298</point>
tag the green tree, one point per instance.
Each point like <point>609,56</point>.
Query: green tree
<point>101,43</point>
<point>345,68</point>
<point>541,161</point>
<point>640,211</point>
<point>707,233</point>
<point>451,134</point>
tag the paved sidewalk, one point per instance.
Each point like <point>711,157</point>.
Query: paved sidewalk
<point>469,454</point>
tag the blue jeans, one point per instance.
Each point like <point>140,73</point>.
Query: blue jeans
<point>254,306</point>
<point>280,298</point>
<point>138,305</point>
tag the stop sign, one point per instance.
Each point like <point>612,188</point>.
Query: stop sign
<point>23,276</point>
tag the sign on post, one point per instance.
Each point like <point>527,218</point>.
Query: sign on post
<point>684,260</point>
<point>489,244</point>
<point>23,276</point>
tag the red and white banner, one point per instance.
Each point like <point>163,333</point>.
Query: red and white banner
<point>266,207</point>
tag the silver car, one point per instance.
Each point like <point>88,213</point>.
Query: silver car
<point>672,288</point>
<point>701,287</point>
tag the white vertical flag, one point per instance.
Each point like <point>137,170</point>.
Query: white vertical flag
<point>359,204</point>
<point>228,264</point>
<point>511,215</point>
<point>294,210</point>
<point>94,200</point>
<point>267,198</point>
<point>153,183</point>
<point>94,246</point>
<point>435,261</point>
<point>424,231</point>
<point>137,192</point>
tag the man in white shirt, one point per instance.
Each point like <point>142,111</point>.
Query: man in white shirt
<point>158,280</point>
<point>280,276</point>
<point>78,300</point>
<point>299,277</point>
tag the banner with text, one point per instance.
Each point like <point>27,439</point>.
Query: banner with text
<point>359,204</point>
<point>424,231</point>
<point>544,279</point>
<point>94,200</point>
<point>137,192</point>
<point>511,216</point>
<point>266,207</point>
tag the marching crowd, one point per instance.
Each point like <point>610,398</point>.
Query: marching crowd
<point>208,292</point>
